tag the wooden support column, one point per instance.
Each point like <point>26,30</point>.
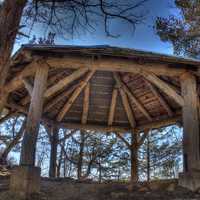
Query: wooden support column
<point>191,144</point>
<point>53,156</point>
<point>34,116</point>
<point>134,158</point>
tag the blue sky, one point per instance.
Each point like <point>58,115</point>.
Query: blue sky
<point>144,37</point>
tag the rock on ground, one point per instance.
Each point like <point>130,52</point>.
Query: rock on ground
<point>66,189</point>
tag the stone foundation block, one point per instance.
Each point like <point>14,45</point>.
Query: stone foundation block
<point>25,181</point>
<point>190,180</point>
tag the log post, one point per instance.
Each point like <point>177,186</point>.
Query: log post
<point>25,179</point>
<point>191,139</point>
<point>134,158</point>
<point>34,115</point>
<point>53,155</point>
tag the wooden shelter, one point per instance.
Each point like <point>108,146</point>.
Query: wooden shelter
<point>106,89</point>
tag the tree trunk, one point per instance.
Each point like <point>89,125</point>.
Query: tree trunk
<point>134,158</point>
<point>10,16</point>
<point>148,158</point>
<point>12,144</point>
<point>53,155</point>
<point>80,159</point>
<point>34,116</point>
<point>100,171</point>
<point>60,160</point>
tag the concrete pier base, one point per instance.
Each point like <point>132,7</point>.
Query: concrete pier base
<point>25,181</point>
<point>190,180</point>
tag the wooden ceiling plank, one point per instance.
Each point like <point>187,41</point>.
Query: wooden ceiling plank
<point>86,102</point>
<point>74,96</point>
<point>163,86</point>
<point>133,98</point>
<point>112,106</point>
<point>161,99</point>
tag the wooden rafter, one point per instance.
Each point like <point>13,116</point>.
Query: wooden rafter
<point>58,98</point>
<point>160,98</point>
<point>127,108</point>
<point>133,98</point>
<point>28,85</point>
<point>163,86</point>
<point>64,82</point>
<point>125,103</point>
<point>17,81</point>
<point>58,86</point>
<point>74,96</point>
<point>112,106</point>
<point>86,103</point>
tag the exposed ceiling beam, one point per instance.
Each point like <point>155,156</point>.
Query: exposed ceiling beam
<point>112,106</point>
<point>133,98</point>
<point>64,82</point>
<point>17,81</point>
<point>86,102</point>
<point>59,85</point>
<point>164,87</point>
<point>127,108</point>
<point>65,94</point>
<point>161,99</point>
<point>28,86</point>
<point>74,96</point>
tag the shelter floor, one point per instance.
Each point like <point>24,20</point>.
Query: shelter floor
<point>68,189</point>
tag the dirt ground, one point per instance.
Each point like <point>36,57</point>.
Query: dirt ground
<point>65,189</point>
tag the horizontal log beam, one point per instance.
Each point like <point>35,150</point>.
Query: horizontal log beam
<point>97,128</point>
<point>159,124</point>
<point>101,128</point>
<point>113,65</point>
